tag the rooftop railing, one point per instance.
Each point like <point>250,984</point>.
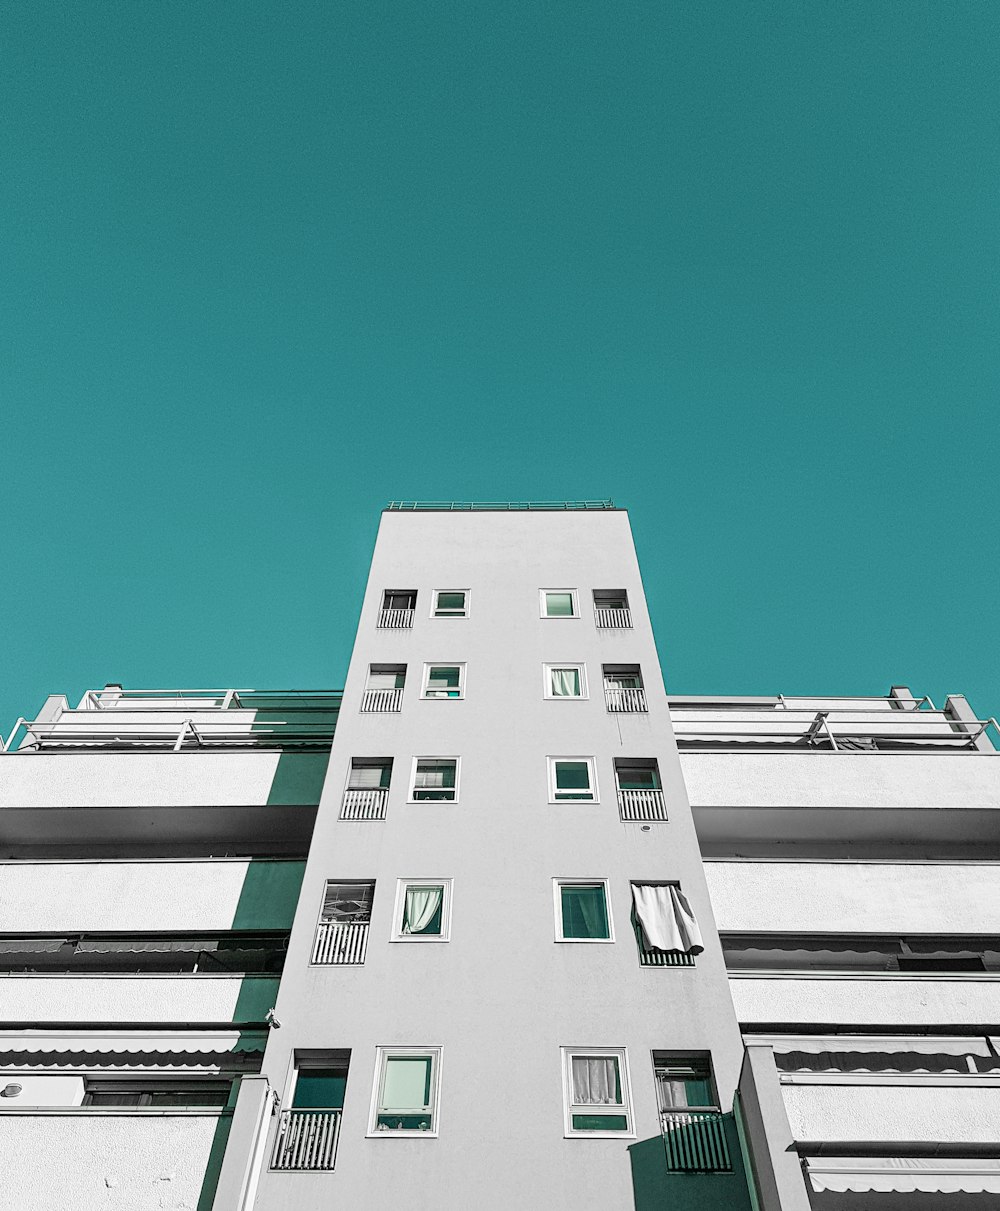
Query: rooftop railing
<point>482,506</point>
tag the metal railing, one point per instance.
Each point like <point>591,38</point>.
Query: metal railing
<point>395,620</point>
<point>465,506</point>
<point>837,729</point>
<point>642,805</point>
<point>665,958</point>
<point>306,1139</point>
<point>340,943</point>
<point>185,736</point>
<point>612,620</point>
<point>368,804</point>
<point>382,700</point>
<point>623,701</point>
<point>117,698</point>
<point>695,1141</point>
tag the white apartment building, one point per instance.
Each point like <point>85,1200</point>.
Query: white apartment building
<point>520,932</point>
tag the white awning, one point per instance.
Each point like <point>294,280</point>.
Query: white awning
<point>924,1044</point>
<point>135,1041</point>
<point>904,1174</point>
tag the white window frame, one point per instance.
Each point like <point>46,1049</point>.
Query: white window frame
<point>434,603</point>
<point>551,762</point>
<point>547,681</point>
<point>619,1053</point>
<point>413,778</point>
<point>397,912</point>
<point>557,885</point>
<point>443,664</point>
<point>383,1053</point>
<point>559,617</point>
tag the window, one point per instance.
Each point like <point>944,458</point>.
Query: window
<point>623,689</point>
<point>611,609</point>
<point>370,773</point>
<point>559,603</point>
<point>450,603</point>
<point>309,1125</point>
<point>434,779</point>
<point>397,609</point>
<point>384,687</point>
<point>665,926</point>
<point>565,680</point>
<point>596,1093</point>
<point>444,681</point>
<point>684,1081</point>
<point>582,913</point>
<point>342,932</point>
<point>572,778</point>
<point>640,792</point>
<point>423,910</point>
<point>144,1091</point>
<point>404,1101</point>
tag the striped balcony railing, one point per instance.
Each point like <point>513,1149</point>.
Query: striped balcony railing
<point>665,958</point>
<point>382,700</point>
<point>306,1139</point>
<point>625,701</point>
<point>395,620</point>
<point>642,805</point>
<point>340,943</point>
<point>695,1141</point>
<point>613,620</point>
<point>364,804</point>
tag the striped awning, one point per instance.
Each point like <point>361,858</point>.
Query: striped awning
<point>924,1044</point>
<point>904,1174</point>
<point>131,1042</point>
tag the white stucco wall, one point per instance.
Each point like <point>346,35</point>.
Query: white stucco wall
<point>135,779</point>
<point>855,897</point>
<point>885,1001</point>
<point>960,1114</point>
<point>965,781</point>
<point>194,998</point>
<point>128,896</point>
<point>80,1161</point>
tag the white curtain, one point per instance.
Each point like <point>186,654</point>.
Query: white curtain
<point>432,775</point>
<point>366,777</point>
<point>565,683</point>
<point>666,918</point>
<point>595,1080</point>
<point>421,905</point>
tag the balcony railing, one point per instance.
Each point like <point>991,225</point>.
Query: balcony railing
<point>613,620</point>
<point>382,700</point>
<point>306,1139</point>
<point>695,1141</point>
<point>395,620</point>
<point>665,958</point>
<point>623,701</point>
<point>340,943</point>
<point>642,805</point>
<point>366,804</point>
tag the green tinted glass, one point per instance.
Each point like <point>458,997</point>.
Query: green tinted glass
<point>320,1087</point>
<point>585,911</point>
<point>573,780</point>
<point>600,1122</point>
<point>559,605</point>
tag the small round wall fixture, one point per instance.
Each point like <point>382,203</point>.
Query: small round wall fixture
<point>645,828</point>
<point>12,1090</point>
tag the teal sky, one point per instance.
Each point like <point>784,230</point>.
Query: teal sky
<point>265,266</point>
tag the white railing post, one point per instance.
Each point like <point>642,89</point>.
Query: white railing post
<point>367,804</point>
<point>641,805</point>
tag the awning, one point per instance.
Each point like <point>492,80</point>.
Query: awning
<point>132,1042</point>
<point>924,1044</point>
<point>904,1174</point>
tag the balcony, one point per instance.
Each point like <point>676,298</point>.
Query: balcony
<point>382,700</point>
<point>306,1140</point>
<point>612,620</point>
<point>641,805</point>
<point>395,620</point>
<point>367,804</point>
<point>695,1141</point>
<point>340,943</point>
<point>180,720</point>
<point>625,701</point>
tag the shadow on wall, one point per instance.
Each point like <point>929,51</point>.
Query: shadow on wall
<point>269,895</point>
<point>655,1188</point>
<point>298,780</point>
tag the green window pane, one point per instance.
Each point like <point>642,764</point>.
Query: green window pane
<point>443,682</point>
<point>435,780</point>
<point>405,1122</point>
<point>638,779</point>
<point>407,1083</point>
<point>320,1087</point>
<point>573,780</point>
<point>600,1122</point>
<point>422,907</point>
<point>450,602</point>
<point>564,683</point>
<point>559,605</point>
<point>584,912</point>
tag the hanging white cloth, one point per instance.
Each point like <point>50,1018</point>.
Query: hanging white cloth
<point>595,1080</point>
<point>666,919</point>
<point>565,683</point>
<point>421,905</point>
